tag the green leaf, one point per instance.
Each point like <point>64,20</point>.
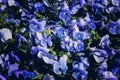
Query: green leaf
<point>2,17</point>
<point>38,77</point>
<point>95,35</point>
<point>69,60</point>
<point>48,31</point>
<point>85,8</point>
<point>22,50</point>
<point>39,16</point>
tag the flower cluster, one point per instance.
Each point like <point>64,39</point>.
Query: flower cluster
<point>59,39</point>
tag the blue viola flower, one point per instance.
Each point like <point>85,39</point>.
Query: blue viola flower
<point>91,25</point>
<point>86,21</point>
<point>9,62</point>
<point>79,73</point>
<point>110,10</point>
<point>40,7</point>
<point>82,60</point>
<point>19,39</point>
<point>46,41</point>
<point>79,68</point>
<point>72,46</point>
<point>68,44</point>
<point>90,22</point>
<point>5,34</point>
<point>37,26</point>
<point>71,22</point>
<point>25,15</point>
<point>36,49</point>
<point>43,53</point>
<point>60,33</point>
<point>41,39</point>
<point>60,66</point>
<point>114,27</point>
<point>104,42</point>
<point>64,15</point>
<point>79,46</point>
<point>81,23</point>
<point>82,35</point>
<point>10,58</point>
<point>104,74</point>
<point>7,59</point>
<point>101,69</point>
<point>99,55</point>
<point>47,57</point>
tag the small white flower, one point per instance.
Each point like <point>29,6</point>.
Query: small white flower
<point>5,34</point>
<point>11,2</point>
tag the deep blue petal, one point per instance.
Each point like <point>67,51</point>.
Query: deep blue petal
<point>112,30</point>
